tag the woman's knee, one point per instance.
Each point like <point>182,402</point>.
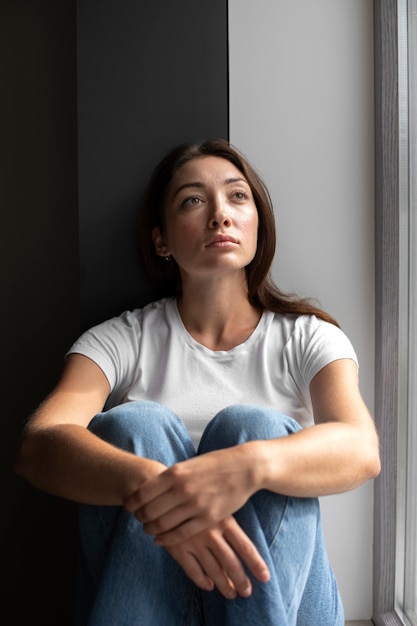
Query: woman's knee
<point>145,428</point>
<point>239,423</point>
<point>127,418</point>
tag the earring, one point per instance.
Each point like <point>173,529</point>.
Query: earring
<point>167,258</point>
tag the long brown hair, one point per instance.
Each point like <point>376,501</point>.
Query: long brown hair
<point>262,291</point>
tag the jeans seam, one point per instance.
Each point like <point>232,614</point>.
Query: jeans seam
<point>274,538</point>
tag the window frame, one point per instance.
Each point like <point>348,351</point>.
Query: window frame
<point>393,321</point>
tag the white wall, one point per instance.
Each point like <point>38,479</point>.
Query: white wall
<point>301,109</point>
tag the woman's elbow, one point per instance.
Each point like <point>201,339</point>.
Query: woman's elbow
<point>375,465</point>
<point>22,464</point>
<point>371,458</point>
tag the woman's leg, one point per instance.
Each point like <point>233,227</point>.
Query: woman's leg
<point>125,580</point>
<point>287,531</point>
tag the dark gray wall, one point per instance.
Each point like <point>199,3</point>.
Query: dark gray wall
<point>150,75</point>
<point>39,288</point>
<point>92,94</point>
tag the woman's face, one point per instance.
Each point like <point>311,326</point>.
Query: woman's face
<point>211,220</point>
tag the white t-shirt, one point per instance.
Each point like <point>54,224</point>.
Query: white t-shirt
<point>147,354</point>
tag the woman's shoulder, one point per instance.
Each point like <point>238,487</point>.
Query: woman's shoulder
<point>310,343</point>
<point>308,330</point>
<point>136,316</point>
<point>299,322</point>
<point>127,324</point>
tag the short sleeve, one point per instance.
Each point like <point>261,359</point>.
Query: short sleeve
<point>317,344</point>
<point>113,346</point>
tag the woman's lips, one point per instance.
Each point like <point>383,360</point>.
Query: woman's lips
<point>222,241</point>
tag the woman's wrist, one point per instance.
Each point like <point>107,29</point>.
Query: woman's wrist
<point>257,460</point>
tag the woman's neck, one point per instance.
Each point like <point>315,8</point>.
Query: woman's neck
<point>219,315</point>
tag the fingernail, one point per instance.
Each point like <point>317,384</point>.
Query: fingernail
<point>264,576</point>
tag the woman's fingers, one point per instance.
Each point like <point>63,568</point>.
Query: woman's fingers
<point>182,532</point>
<point>192,567</point>
<point>197,488</point>
<point>217,554</point>
<point>208,567</point>
<point>230,577</point>
<point>246,550</point>
<point>172,521</point>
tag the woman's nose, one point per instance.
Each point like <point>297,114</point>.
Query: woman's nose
<point>218,216</point>
<point>219,221</point>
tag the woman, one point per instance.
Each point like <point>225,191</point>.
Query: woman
<point>198,432</point>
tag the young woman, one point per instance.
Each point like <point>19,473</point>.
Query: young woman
<point>197,433</point>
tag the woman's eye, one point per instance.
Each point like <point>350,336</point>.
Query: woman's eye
<point>240,195</point>
<point>191,201</point>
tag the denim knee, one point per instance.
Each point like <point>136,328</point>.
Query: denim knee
<point>120,422</point>
<point>145,428</point>
<point>239,423</point>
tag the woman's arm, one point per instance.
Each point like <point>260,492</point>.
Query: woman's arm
<point>58,454</point>
<point>337,454</point>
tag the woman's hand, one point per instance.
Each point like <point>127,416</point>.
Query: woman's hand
<point>193,495</point>
<point>189,508</point>
<point>214,557</point>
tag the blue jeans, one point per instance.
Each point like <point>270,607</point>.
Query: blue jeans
<point>125,580</point>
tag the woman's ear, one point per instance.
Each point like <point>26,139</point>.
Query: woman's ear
<point>161,247</point>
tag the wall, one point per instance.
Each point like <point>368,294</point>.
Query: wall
<point>39,290</point>
<point>93,94</point>
<point>301,108</point>
<point>145,83</point>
